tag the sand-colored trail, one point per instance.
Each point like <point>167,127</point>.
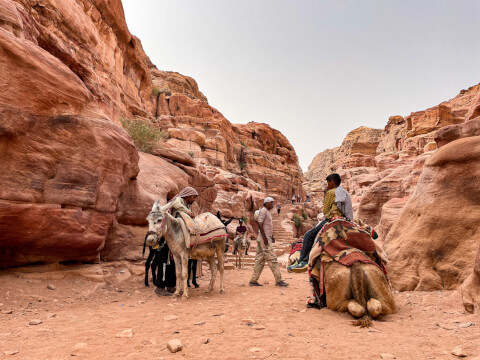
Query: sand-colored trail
<point>83,318</point>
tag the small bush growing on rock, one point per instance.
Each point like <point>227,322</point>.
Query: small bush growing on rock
<point>297,220</point>
<point>243,144</point>
<point>304,214</point>
<point>190,153</point>
<point>158,91</point>
<point>245,220</point>
<point>241,164</point>
<point>143,134</point>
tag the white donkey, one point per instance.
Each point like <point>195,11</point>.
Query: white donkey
<point>161,223</point>
<point>241,247</point>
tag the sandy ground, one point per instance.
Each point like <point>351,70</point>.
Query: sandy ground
<point>83,318</point>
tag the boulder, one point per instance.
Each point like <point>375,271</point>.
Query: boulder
<point>431,245</point>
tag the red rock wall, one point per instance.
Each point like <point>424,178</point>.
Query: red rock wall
<point>73,185</point>
<point>432,244</point>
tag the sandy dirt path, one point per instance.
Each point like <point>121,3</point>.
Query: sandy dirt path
<point>82,319</point>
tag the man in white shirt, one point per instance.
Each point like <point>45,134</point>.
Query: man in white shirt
<point>265,251</point>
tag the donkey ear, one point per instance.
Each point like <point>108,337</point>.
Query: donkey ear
<point>156,206</point>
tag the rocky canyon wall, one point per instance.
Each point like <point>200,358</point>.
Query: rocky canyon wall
<point>419,186</point>
<point>73,185</point>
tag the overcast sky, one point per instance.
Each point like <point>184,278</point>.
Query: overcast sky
<point>314,70</point>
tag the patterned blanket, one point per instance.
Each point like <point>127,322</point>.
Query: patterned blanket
<point>202,224</point>
<point>296,246</point>
<point>345,242</point>
<point>204,228</point>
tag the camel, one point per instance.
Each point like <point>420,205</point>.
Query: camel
<point>241,246</point>
<point>361,289</point>
<point>161,223</point>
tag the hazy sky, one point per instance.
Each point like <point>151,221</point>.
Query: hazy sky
<point>314,70</point>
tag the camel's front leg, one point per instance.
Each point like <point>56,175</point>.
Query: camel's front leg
<point>185,274</point>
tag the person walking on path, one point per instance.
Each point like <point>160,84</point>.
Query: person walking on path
<point>265,251</point>
<point>279,207</point>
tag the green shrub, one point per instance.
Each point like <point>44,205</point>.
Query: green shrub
<point>143,134</point>
<point>190,153</point>
<point>304,214</point>
<point>297,220</point>
<point>245,220</point>
<point>158,91</point>
<point>241,164</point>
<point>243,144</point>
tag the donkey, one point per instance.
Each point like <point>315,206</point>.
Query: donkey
<point>241,247</point>
<point>161,223</point>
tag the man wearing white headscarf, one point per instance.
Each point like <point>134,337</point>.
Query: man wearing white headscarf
<point>182,202</point>
<point>265,251</point>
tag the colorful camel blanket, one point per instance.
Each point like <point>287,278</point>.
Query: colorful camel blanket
<point>204,228</point>
<point>296,246</point>
<point>343,241</point>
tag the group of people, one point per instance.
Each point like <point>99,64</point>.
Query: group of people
<point>298,198</point>
<point>337,203</point>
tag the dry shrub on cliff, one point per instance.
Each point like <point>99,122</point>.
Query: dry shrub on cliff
<point>156,91</point>
<point>297,220</point>
<point>304,214</point>
<point>143,134</point>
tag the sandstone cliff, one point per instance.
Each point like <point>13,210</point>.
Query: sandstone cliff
<point>416,187</point>
<point>73,184</point>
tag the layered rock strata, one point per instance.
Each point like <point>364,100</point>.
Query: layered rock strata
<point>73,183</point>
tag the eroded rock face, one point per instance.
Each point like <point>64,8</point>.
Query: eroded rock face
<point>64,163</point>
<point>471,287</point>
<point>430,248</point>
<point>357,150</point>
<point>72,182</point>
<point>431,244</point>
<point>244,161</point>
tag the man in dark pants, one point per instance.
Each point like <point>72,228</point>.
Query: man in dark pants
<point>308,239</point>
<point>166,276</point>
<point>331,209</point>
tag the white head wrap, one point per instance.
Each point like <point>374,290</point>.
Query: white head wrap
<point>188,191</point>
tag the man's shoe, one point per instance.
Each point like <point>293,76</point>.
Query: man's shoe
<point>254,283</point>
<point>281,283</point>
<point>289,267</point>
<point>300,268</point>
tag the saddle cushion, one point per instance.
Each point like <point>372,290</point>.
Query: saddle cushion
<point>202,224</point>
<point>213,235</point>
<point>204,228</point>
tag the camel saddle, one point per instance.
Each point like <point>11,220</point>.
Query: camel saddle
<point>203,228</point>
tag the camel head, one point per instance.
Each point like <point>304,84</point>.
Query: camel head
<point>156,224</point>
